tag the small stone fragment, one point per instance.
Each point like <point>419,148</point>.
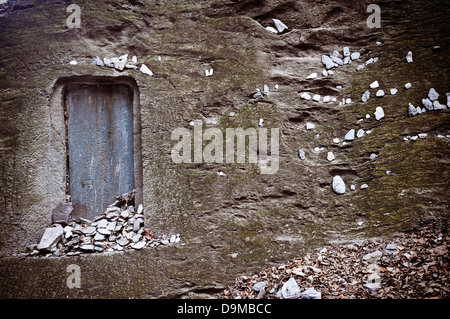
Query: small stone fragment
<point>328,62</point>
<point>290,289</point>
<point>330,156</point>
<point>374,85</point>
<point>350,136</point>
<point>409,57</point>
<point>312,76</point>
<point>355,56</point>
<point>408,85</point>
<point>311,293</point>
<point>366,96</point>
<point>50,238</point>
<point>346,51</point>
<point>428,104</point>
<point>433,95</point>
<point>272,29</point>
<point>144,69</point>
<point>338,185</point>
<point>138,245</point>
<point>279,25</point>
<point>379,93</point>
<point>412,110</point>
<point>360,133</point>
<point>379,113</point>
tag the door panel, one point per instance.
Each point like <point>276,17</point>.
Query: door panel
<point>100,145</point>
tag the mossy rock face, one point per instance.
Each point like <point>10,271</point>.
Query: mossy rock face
<point>243,220</point>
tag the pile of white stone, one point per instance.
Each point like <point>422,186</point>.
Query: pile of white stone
<point>429,103</point>
<point>119,228</point>
<point>121,63</point>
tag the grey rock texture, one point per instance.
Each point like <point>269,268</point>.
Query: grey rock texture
<point>244,212</point>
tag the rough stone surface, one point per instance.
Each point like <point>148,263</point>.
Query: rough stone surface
<point>36,47</point>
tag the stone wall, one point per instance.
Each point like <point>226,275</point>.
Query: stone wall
<point>230,216</point>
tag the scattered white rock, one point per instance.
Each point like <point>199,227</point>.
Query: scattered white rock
<point>364,186</point>
<point>394,91</point>
<point>261,121</point>
<point>312,76</point>
<point>360,67</point>
<point>352,187</point>
<point>310,126</point>
<point>73,62</point>
<point>379,93</point>
<point>338,185</point>
<point>50,237</point>
<point>337,60</point>
<point>448,99</point>
<point>408,85</point>
<point>272,29</point>
<point>301,154</point>
<point>290,290</point>
<point>209,72</point>
<point>355,56</point>
<point>374,85</point>
<point>428,104</point>
<point>279,25</point>
<point>438,106</point>
<point>379,113</point>
<point>433,95</point>
<point>144,69</point>
<point>326,99</point>
<point>346,51</point>
<point>324,72</point>
<point>423,135</point>
<point>266,89</point>
<point>232,114</point>
<point>330,156</point>
<point>316,98</point>
<point>360,133</point>
<point>412,111</point>
<point>370,61</point>
<point>138,245</point>
<point>348,101</point>
<point>336,140</point>
<point>409,57</point>
<point>306,96</point>
<point>366,96</point>
<point>373,156</point>
<point>311,293</point>
<point>350,136</point>
<point>97,61</point>
<point>328,62</point>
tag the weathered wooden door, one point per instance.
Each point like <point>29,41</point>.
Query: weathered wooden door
<point>100,145</point>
